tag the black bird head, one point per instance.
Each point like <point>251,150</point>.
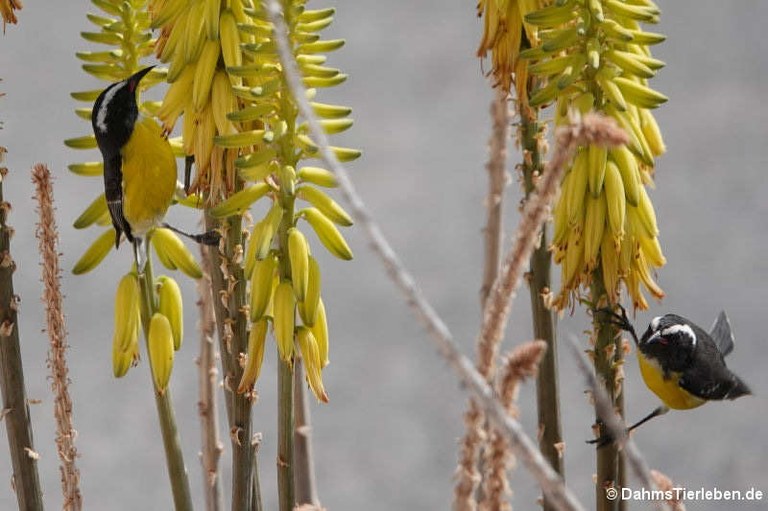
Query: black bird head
<point>115,113</point>
<point>671,340</point>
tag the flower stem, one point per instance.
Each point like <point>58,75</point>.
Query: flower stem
<point>306,486</point>
<point>285,480</point>
<point>177,471</point>
<point>15,410</point>
<point>539,282</point>
<point>229,286</point>
<point>608,357</point>
<point>207,381</point>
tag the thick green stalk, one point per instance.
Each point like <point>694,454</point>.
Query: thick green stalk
<point>285,479</point>
<point>232,321</point>
<point>15,411</point>
<point>285,394</point>
<point>177,471</point>
<point>306,486</point>
<point>539,282</point>
<point>608,355</point>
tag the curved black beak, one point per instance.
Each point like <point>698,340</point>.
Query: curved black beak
<point>133,80</point>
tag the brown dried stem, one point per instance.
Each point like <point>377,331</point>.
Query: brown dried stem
<point>208,379</point>
<point>497,181</point>
<point>522,362</point>
<point>665,484</point>
<point>467,473</point>
<point>15,409</point>
<point>591,127</point>
<point>48,237</point>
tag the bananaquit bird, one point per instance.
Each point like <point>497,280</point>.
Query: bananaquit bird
<point>139,165</point>
<point>682,363</point>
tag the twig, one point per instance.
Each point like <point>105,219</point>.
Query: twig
<point>48,237</point>
<point>207,380</point>
<point>522,362</point>
<point>467,474</point>
<point>497,181</point>
<point>15,410</point>
<point>591,126</point>
<point>613,421</point>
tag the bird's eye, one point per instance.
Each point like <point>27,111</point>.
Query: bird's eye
<point>663,340</point>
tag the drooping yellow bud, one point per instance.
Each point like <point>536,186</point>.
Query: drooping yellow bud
<point>160,351</point>
<point>256,343</point>
<point>312,362</point>
<point>170,305</point>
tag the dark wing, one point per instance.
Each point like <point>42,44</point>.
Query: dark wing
<point>113,191</point>
<point>708,377</point>
<point>722,335</point>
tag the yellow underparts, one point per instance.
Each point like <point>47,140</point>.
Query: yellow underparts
<point>149,176</point>
<point>668,389</point>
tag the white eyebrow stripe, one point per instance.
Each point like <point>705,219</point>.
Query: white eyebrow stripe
<point>101,115</point>
<point>674,329</point>
<point>655,323</point>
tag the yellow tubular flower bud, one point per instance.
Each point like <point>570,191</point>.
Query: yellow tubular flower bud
<point>95,253</point>
<point>328,234</point>
<point>160,351</point>
<point>298,254</point>
<point>325,204</point>
<point>597,159</point>
<point>261,286</point>
<point>256,344</point>
<point>320,331</point>
<point>594,226</point>
<point>610,262</point>
<point>168,245</point>
<point>206,66</point>
<point>647,215</point>
<point>170,306</point>
<point>308,307</point>
<point>239,202</point>
<point>126,311</point>
<point>317,176</point>
<point>284,308</point>
<point>312,362</point>
<point>630,173</point>
<point>615,199</point>
<point>577,188</point>
<point>92,213</point>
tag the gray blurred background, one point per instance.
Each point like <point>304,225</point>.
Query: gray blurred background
<point>388,438</point>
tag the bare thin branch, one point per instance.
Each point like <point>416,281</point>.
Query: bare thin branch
<point>48,238</point>
<point>521,363</point>
<point>551,482</point>
<point>475,435</point>
<point>497,181</point>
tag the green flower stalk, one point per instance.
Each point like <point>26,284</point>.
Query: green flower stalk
<point>240,125</point>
